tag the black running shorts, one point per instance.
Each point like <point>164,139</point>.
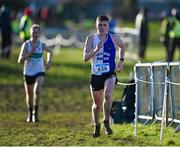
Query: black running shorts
<point>31,79</point>
<point>97,82</point>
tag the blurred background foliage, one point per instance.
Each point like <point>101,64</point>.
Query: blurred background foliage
<point>62,11</point>
<point>76,10</point>
<point>72,15</point>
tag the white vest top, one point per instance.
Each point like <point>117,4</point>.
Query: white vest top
<point>35,64</point>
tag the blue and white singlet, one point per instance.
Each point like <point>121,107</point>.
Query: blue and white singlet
<point>104,61</point>
<point>35,64</point>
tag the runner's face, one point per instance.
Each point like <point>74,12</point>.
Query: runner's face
<point>35,33</point>
<point>102,27</point>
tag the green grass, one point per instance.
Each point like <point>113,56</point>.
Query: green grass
<point>53,130</point>
<point>65,109</point>
<point>62,128</point>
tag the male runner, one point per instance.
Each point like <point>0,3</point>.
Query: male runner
<point>100,47</point>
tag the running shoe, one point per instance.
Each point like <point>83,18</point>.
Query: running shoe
<point>35,117</point>
<point>107,129</point>
<point>29,117</point>
<point>96,132</point>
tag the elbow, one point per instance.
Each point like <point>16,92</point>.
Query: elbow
<point>20,61</point>
<point>85,59</point>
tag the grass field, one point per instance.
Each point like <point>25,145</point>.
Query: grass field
<point>65,111</point>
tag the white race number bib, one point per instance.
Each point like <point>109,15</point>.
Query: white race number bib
<point>102,68</point>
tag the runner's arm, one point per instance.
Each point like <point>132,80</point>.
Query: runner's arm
<point>24,55</point>
<point>89,52</point>
<point>121,47</point>
<point>49,56</point>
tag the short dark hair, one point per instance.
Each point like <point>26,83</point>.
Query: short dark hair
<point>102,18</point>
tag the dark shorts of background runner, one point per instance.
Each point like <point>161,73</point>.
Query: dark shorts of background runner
<point>31,79</point>
<point>97,81</point>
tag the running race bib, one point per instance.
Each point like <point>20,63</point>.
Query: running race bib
<point>102,68</point>
<point>33,63</point>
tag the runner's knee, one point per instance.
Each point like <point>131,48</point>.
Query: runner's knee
<point>96,106</point>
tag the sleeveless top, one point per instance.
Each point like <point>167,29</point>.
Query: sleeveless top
<point>103,62</point>
<point>35,63</point>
